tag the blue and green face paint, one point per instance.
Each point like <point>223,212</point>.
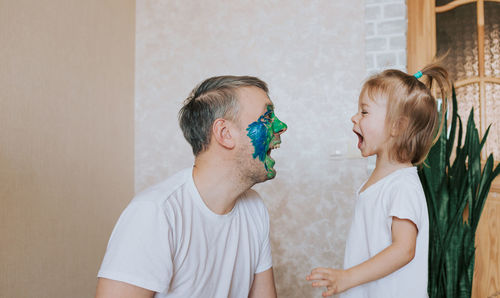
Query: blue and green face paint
<point>264,134</point>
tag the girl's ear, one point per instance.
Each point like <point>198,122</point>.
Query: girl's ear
<point>400,125</point>
<point>222,133</point>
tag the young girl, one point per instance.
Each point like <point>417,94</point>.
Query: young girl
<point>387,245</point>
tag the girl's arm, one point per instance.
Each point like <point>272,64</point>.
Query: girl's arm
<point>399,253</point>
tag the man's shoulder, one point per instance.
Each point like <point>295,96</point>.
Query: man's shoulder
<point>251,196</point>
<point>165,189</point>
<point>252,202</point>
<point>254,212</point>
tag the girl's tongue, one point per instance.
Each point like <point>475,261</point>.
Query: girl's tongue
<point>360,140</point>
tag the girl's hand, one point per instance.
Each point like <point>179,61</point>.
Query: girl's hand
<point>335,280</point>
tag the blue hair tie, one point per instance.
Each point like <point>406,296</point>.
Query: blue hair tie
<point>418,75</point>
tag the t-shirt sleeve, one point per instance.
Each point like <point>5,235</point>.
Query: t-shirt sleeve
<point>406,201</point>
<point>265,259</point>
<point>140,248</point>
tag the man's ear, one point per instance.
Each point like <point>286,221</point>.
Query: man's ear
<point>398,126</point>
<point>221,131</point>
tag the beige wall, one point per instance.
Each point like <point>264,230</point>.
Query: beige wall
<point>66,140</point>
<point>312,55</point>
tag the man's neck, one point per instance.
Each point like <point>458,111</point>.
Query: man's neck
<point>219,184</point>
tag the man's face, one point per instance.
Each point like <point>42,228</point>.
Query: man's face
<point>263,130</point>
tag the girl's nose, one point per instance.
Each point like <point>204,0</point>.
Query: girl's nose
<point>353,118</point>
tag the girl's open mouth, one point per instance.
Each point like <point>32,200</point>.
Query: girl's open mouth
<point>360,139</point>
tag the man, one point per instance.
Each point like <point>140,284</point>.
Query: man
<point>203,232</point>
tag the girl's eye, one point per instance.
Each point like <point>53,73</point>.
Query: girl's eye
<point>364,113</point>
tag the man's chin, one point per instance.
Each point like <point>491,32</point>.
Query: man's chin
<point>265,175</point>
<point>271,174</point>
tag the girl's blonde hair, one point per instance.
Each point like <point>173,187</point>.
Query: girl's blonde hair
<point>412,113</point>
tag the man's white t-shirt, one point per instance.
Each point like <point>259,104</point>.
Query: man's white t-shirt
<point>399,194</point>
<point>168,241</point>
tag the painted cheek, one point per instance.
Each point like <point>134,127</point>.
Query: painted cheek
<point>270,134</point>
<point>259,135</point>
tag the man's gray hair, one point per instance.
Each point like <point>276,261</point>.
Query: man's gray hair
<point>213,98</point>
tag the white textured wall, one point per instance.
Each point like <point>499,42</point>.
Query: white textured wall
<point>312,55</point>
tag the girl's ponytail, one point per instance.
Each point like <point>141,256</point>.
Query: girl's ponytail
<point>436,73</point>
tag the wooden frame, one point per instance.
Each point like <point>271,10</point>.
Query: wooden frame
<point>421,41</point>
<point>421,49</point>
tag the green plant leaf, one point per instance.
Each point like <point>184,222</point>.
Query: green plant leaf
<point>484,188</point>
<point>449,188</point>
<point>483,141</point>
<point>451,140</point>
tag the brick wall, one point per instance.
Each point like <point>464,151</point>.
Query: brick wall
<point>385,29</point>
<point>386,23</point>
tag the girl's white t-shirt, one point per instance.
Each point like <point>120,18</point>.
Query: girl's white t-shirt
<point>399,194</point>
